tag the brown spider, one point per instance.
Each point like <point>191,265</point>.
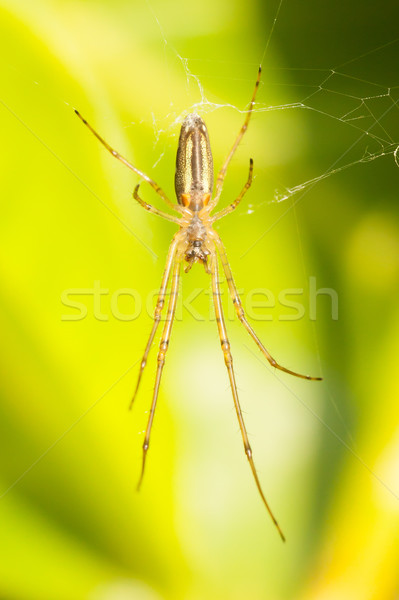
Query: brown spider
<point>197,241</point>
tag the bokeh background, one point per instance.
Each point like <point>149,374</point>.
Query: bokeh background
<point>72,524</point>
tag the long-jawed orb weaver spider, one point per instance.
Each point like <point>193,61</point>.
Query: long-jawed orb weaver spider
<point>197,241</point>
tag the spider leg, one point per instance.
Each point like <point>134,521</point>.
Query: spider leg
<point>241,314</point>
<point>157,312</point>
<point>152,209</point>
<point>116,154</point>
<point>229,364</point>
<point>233,205</point>
<point>222,172</point>
<point>163,347</point>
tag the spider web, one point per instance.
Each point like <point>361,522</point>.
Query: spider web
<point>364,111</point>
<point>369,117</point>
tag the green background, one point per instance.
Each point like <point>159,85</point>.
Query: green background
<point>72,524</point>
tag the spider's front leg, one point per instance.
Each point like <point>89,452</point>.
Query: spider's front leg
<point>163,347</point>
<point>228,359</point>
<point>241,314</point>
<point>158,310</point>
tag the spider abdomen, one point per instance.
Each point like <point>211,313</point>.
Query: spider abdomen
<point>194,164</point>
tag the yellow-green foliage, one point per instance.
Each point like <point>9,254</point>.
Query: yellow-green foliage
<point>72,525</point>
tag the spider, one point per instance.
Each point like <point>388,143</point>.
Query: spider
<point>197,241</point>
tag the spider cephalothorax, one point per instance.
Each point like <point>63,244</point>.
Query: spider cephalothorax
<point>197,241</point>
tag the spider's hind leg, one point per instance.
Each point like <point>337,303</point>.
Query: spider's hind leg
<point>152,209</point>
<point>128,164</point>
<point>225,211</point>
<point>222,173</point>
